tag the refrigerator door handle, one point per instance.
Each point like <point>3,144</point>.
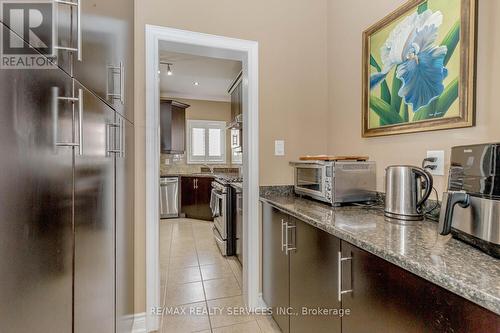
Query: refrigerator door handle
<point>116,70</point>
<point>111,148</point>
<point>55,119</point>
<point>78,6</point>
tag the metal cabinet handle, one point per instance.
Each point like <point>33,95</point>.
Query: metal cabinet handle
<point>339,282</point>
<point>288,229</point>
<point>77,49</point>
<point>283,223</point>
<point>55,119</point>
<point>116,70</point>
<point>111,146</point>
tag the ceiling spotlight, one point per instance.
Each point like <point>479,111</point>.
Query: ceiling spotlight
<point>196,83</point>
<point>169,69</point>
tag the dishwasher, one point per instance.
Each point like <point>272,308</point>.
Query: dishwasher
<point>169,197</point>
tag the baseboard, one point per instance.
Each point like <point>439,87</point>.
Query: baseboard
<point>139,323</point>
<point>260,302</point>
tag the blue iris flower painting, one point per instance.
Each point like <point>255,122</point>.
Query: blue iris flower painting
<point>414,68</point>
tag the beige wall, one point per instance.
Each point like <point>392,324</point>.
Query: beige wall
<point>200,110</point>
<point>310,83</point>
<point>346,21</point>
<point>292,87</point>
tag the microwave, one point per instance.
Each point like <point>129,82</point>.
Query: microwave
<point>336,182</point>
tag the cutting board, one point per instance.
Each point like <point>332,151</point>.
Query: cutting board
<point>333,158</point>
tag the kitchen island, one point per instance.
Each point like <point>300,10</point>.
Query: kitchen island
<point>447,263</point>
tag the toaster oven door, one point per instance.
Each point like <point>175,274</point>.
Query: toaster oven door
<point>310,179</point>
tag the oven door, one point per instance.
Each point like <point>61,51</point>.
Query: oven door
<point>220,220</point>
<point>310,179</point>
<point>221,243</point>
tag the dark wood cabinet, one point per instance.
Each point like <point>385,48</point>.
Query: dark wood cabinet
<point>275,263</point>
<point>195,197</point>
<point>173,127</point>
<point>299,272</point>
<point>379,296</point>
<point>392,299</point>
<point>236,92</point>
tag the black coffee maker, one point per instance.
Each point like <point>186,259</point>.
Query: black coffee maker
<point>471,206</point>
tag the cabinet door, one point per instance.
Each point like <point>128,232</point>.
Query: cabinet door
<point>391,299</point>
<point>95,218</point>
<point>203,194</point>
<point>313,278</point>
<point>188,196</point>
<point>107,52</point>
<point>178,129</point>
<point>125,229</point>
<point>275,266</point>
<point>36,189</point>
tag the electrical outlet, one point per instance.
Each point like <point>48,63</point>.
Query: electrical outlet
<point>439,156</point>
<point>279,148</point>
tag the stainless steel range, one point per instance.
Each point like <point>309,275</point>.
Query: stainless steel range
<point>224,228</point>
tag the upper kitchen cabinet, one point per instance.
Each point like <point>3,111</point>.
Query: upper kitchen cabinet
<point>106,43</point>
<point>236,91</point>
<point>93,41</point>
<point>173,126</point>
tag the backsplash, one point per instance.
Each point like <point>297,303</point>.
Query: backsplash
<point>177,165</point>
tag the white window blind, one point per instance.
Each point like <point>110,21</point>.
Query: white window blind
<point>206,141</point>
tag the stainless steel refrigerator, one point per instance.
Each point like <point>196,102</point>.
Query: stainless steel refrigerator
<point>66,178</point>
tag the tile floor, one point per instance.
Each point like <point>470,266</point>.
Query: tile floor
<point>203,288</point>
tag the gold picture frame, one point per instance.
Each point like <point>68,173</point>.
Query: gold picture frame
<point>458,90</point>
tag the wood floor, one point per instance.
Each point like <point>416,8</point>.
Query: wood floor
<point>201,288</point>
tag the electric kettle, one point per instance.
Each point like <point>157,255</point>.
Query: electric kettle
<point>404,185</point>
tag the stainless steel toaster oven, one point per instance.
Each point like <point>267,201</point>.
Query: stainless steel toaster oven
<point>336,182</point>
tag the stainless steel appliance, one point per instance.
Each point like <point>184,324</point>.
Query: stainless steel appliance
<point>169,197</point>
<point>336,182</point>
<point>238,219</point>
<point>471,207</point>
<point>403,192</point>
<point>224,229</point>
<point>66,214</point>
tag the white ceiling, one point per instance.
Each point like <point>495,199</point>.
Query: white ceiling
<point>213,75</point>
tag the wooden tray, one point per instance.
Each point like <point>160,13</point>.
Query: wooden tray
<point>333,158</point>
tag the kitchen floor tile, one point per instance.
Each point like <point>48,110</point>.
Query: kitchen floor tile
<point>248,327</point>
<point>228,311</point>
<point>237,270</point>
<point>184,293</point>
<point>210,258</point>
<point>183,261</point>
<point>215,271</point>
<point>194,318</point>
<point>184,275</point>
<point>220,288</point>
<point>268,325</point>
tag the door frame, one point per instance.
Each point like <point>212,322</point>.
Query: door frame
<point>202,44</point>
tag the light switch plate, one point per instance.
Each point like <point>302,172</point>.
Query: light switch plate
<point>439,155</point>
<point>279,148</point>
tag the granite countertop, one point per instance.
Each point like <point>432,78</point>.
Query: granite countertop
<point>417,248</point>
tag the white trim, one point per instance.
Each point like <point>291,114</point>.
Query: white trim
<point>206,125</point>
<point>219,47</point>
<point>139,323</point>
<point>198,97</point>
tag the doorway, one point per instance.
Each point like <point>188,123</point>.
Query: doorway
<point>200,44</point>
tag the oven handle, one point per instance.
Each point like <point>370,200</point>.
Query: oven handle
<point>219,195</point>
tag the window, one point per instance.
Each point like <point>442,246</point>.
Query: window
<point>206,141</point>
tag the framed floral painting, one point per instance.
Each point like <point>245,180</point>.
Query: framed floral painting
<point>419,68</point>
